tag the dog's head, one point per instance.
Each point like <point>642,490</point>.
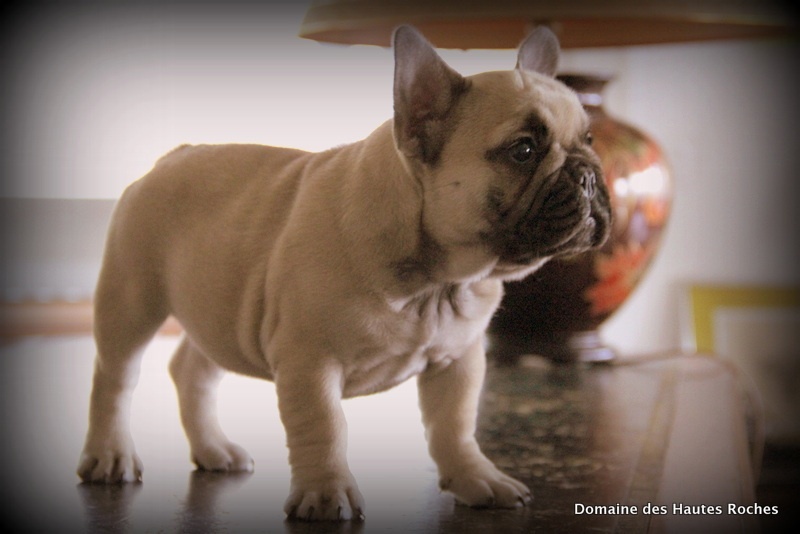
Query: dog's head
<point>504,159</point>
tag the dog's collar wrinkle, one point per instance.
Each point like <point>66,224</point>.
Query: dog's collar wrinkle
<point>419,267</point>
<point>436,300</point>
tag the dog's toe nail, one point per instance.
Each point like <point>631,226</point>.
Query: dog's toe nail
<point>310,514</point>
<point>339,514</point>
<point>359,515</point>
<point>292,512</point>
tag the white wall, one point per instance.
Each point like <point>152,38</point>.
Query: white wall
<point>95,96</point>
<point>727,116</point>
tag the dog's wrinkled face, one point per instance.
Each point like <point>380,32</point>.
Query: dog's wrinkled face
<point>535,185</point>
<point>507,161</point>
<point>547,196</point>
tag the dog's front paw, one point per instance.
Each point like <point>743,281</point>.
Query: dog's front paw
<point>110,465</point>
<point>336,499</point>
<point>222,456</point>
<point>486,487</point>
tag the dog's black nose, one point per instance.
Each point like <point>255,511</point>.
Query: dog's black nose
<point>588,182</point>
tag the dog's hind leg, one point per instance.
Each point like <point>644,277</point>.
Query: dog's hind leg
<point>127,315</point>
<point>196,378</point>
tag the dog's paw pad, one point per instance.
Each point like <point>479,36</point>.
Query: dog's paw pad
<point>110,467</point>
<point>487,488</point>
<point>226,456</point>
<point>330,502</point>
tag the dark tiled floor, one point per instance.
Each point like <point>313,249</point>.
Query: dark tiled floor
<point>574,435</point>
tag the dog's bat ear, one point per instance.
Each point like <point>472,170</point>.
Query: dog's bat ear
<point>425,90</point>
<point>539,52</point>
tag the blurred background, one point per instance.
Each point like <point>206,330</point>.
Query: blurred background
<point>95,92</point>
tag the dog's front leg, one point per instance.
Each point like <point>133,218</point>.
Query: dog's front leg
<point>449,402</point>
<point>309,399</point>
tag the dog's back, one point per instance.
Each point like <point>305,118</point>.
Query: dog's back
<point>171,235</point>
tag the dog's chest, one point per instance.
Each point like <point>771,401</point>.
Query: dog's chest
<point>426,331</point>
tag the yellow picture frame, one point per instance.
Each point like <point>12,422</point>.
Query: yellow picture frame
<point>755,328</point>
<point>707,300</point>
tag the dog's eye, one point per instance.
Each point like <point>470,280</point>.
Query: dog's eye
<point>522,150</point>
<point>589,139</point>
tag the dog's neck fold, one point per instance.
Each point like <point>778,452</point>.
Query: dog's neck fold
<point>397,255</point>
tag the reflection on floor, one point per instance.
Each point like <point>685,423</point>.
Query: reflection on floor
<point>596,435</point>
<point>45,388</point>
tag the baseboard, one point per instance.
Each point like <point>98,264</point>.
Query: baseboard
<point>56,318</point>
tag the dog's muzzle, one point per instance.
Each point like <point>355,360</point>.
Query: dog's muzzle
<point>568,214</point>
<point>588,182</point>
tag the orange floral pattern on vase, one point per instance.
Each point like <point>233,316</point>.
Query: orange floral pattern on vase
<point>558,309</point>
<point>617,274</point>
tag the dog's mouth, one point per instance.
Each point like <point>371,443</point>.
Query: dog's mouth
<point>568,213</point>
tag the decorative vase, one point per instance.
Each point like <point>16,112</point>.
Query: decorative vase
<point>556,311</point>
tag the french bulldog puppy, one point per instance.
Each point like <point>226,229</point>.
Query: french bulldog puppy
<point>347,272</point>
